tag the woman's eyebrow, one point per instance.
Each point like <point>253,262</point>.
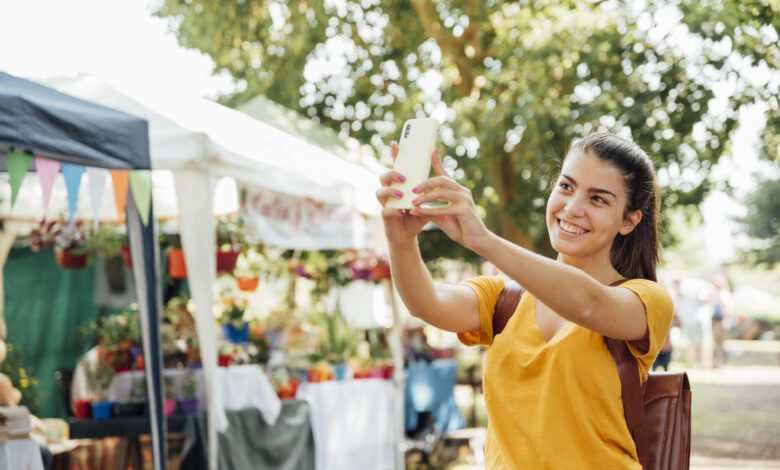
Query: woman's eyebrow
<point>592,190</point>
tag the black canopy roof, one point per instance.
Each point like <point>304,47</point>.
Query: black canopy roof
<point>43,121</point>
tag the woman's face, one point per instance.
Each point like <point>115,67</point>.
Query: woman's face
<point>586,208</point>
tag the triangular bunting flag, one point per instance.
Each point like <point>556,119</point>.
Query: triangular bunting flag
<point>97,182</point>
<point>141,187</point>
<point>121,179</point>
<point>72,174</point>
<point>18,163</point>
<point>47,171</point>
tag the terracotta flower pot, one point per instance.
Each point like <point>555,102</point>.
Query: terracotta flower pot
<point>381,271</point>
<point>67,260</point>
<point>247,284</point>
<point>226,260</point>
<point>177,268</point>
<point>126,256</point>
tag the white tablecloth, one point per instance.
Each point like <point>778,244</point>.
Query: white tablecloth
<point>20,454</point>
<point>352,423</point>
<point>235,388</point>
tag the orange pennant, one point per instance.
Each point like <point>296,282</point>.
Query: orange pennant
<point>121,179</point>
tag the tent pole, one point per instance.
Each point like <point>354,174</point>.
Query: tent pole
<point>396,346</point>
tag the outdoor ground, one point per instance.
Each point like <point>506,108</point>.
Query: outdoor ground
<point>735,422</point>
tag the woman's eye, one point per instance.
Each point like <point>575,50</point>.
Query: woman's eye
<point>599,199</point>
<point>564,185</point>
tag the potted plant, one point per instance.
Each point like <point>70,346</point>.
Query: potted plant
<point>169,390</point>
<point>259,348</point>
<point>177,267</point>
<point>108,241</point>
<point>136,400</point>
<point>188,403</point>
<point>338,341</point>
<point>249,268</point>
<point>193,350</point>
<point>99,375</point>
<point>235,329</point>
<point>224,354</point>
<point>230,239</point>
<point>69,241</point>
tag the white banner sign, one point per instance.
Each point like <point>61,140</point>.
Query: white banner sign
<point>277,219</point>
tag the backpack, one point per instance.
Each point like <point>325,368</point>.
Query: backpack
<point>658,412</point>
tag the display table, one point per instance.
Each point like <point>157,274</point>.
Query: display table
<point>352,423</point>
<point>251,443</point>
<point>20,454</point>
<point>235,388</point>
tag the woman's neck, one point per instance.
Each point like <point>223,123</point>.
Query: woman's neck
<point>598,267</point>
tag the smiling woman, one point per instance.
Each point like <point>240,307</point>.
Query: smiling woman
<point>549,377</point>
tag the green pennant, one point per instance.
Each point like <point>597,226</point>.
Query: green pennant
<point>18,164</point>
<point>141,188</point>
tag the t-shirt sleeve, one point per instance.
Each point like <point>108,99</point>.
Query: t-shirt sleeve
<point>487,288</point>
<point>659,310</point>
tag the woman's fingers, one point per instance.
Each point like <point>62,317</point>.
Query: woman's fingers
<point>389,177</point>
<point>438,167</point>
<point>386,192</point>
<point>394,149</point>
<point>439,194</point>
<point>442,182</point>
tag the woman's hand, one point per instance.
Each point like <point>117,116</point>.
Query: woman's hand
<point>400,227</point>
<point>458,218</point>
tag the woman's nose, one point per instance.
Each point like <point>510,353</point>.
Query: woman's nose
<point>575,207</point>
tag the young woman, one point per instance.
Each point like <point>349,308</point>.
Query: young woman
<point>552,389</point>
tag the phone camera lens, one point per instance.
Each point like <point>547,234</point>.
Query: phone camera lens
<point>408,128</point>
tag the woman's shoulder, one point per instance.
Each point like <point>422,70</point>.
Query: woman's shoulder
<point>652,294</point>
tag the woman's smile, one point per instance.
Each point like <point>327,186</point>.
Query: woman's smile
<point>568,228</point>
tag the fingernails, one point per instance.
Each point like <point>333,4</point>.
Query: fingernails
<point>402,211</point>
<point>401,178</point>
<point>398,193</point>
<point>414,189</point>
<point>436,152</point>
<point>414,202</point>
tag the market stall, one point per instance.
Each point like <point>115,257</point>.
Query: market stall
<point>69,133</point>
<point>200,141</point>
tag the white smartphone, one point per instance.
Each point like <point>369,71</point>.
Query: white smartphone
<point>418,139</point>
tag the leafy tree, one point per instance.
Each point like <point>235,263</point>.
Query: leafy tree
<point>762,222</point>
<point>513,82</point>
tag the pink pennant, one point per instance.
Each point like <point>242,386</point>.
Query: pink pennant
<point>47,171</point>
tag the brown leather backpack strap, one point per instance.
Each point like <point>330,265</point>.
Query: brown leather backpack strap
<point>632,396</point>
<point>506,305</point>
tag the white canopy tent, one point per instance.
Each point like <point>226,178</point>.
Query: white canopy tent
<point>201,141</point>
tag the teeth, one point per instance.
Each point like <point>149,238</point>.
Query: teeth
<point>567,227</point>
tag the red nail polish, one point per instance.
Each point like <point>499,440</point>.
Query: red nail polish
<point>399,193</point>
<point>402,211</point>
<point>414,189</point>
<point>401,178</point>
<point>414,202</point>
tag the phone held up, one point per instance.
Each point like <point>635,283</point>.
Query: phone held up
<point>418,139</point>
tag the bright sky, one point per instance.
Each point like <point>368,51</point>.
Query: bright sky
<point>120,41</point>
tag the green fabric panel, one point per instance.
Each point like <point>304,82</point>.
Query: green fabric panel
<point>44,304</point>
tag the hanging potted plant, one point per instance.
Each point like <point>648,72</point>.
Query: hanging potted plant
<point>177,267</point>
<point>249,267</point>
<point>230,238</point>
<point>69,241</point>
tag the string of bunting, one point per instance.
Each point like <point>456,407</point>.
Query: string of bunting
<point>137,183</point>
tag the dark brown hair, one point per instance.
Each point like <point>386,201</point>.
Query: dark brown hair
<point>634,255</point>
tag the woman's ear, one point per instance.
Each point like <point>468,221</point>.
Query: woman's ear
<point>630,222</point>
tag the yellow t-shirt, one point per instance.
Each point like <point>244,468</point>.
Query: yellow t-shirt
<point>558,404</point>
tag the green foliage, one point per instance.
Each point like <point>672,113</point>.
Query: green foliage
<point>514,82</point>
<point>108,240</point>
<point>762,223</point>
<point>338,341</point>
<point>230,233</point>
<point>22,378</point>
